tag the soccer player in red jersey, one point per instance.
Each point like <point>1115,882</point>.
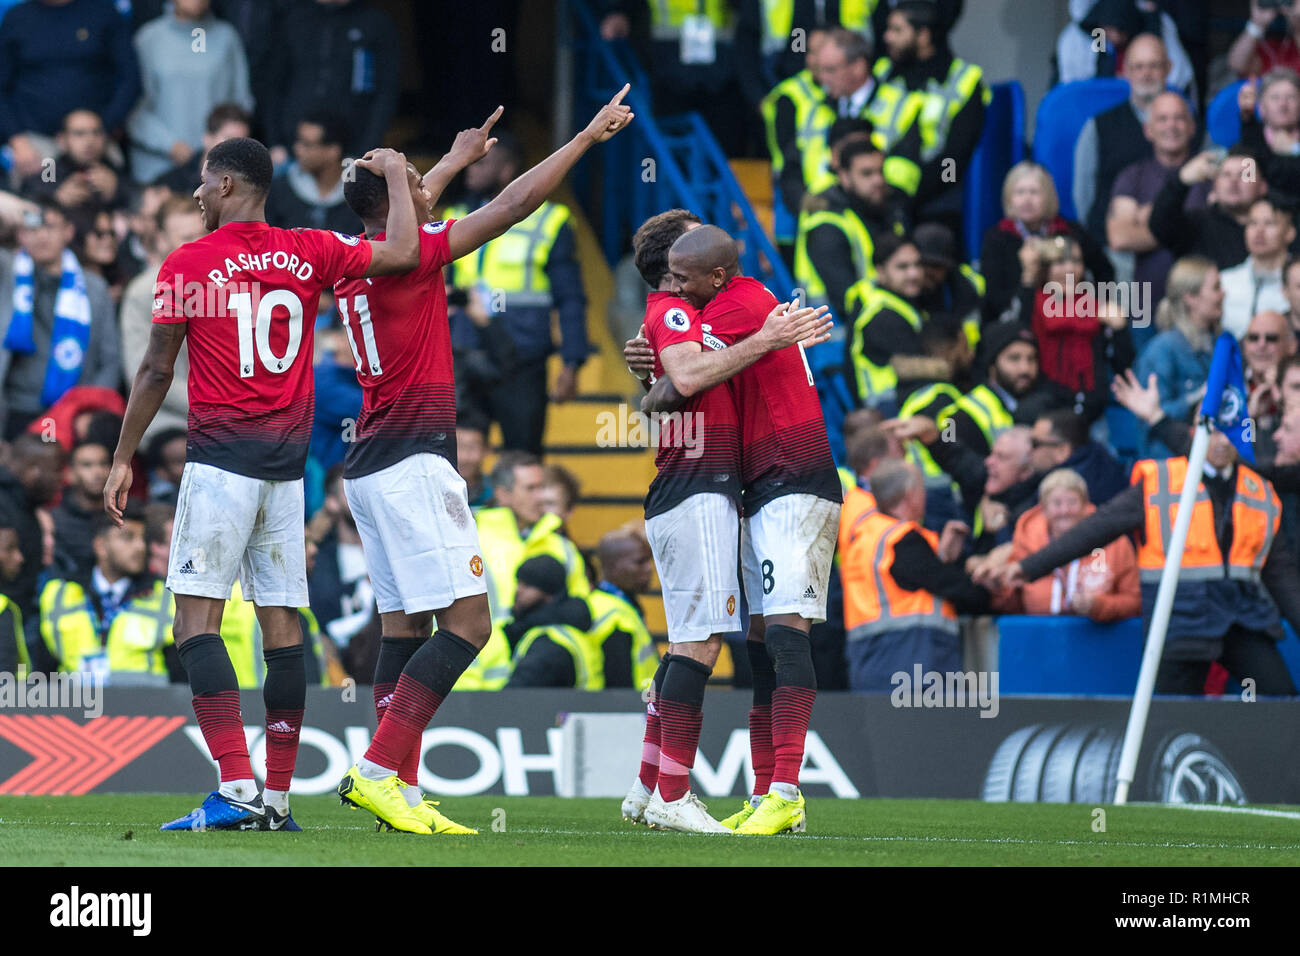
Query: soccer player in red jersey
<point>410,505</point>
<point>791,497</point>
<point>692,519</point>
<point>245,297</point>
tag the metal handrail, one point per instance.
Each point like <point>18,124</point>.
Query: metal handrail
<point>663,163</point>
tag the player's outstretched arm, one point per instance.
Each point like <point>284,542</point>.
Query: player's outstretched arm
<point>521,198</point>
<point>399,251</point>
<point>694,370</point>
<point>470,146</point>
<point>152,381</point>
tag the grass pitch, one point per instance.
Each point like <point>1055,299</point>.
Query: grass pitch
<point>121,830</point>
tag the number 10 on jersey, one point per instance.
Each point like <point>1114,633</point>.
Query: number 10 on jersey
<point>258,332</point>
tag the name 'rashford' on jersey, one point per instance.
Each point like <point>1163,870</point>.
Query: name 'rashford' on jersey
<point>397,327</point>
<point>784,450</point>
<point>699,446</point>
<point>249,294</point>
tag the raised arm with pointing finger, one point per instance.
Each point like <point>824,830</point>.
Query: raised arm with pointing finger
<point>521,198</point>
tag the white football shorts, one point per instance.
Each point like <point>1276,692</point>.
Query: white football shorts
<point>228,524</point>
<point>418,534</point>
<point>696,548</point>
<point>786,553</point>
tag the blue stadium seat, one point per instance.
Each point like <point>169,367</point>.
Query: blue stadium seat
<point>1001,146</point>
<point>1222,118</point>
<point>1061,116</point>
<point>1068,655</point>
<point>1122,426</point>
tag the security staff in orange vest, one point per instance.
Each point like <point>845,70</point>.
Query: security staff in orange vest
<point>868,448</point>
<point>902,593</point>
<point>1222,609</point>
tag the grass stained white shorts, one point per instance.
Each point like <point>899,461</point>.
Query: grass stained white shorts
<point>227,525</point>
<point>696,548</point>
<point>418,534</point>
<point>786,553</point>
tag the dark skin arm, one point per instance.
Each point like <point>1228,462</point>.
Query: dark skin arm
<point>662,397</point>
<point>470,146</point>
<point>152,381</point>
<point>399,251</point>
<point>521,198</point>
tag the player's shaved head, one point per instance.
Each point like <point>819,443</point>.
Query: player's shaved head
<point>707,248</point>
<point>701,262</point>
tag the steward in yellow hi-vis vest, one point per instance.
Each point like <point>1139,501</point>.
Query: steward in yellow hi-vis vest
<point>127,640</point>
<point>14,658</point>
<point>1235,577</point>
<point>629,652</point>
<point>243,637</point>
<point>505,549</point>
<point>835,246</point>
<point>550,632</point>
<point>950,92</point>
<point>116,621</point>
<point>885,325</point>
<point>520,278</point>
<point>1009,351</point>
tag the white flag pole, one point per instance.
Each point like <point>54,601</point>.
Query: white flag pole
<point>1155,645</point>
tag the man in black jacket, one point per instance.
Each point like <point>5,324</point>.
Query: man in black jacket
<point>1060,440</point>
<point>1218,231</point>
<point>308,193</point>
<point>340,54</point>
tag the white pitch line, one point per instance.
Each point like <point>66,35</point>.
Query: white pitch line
<point>934,839</point>
<point>1222,808</point>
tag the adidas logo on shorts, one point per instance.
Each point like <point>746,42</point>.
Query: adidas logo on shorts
<point>280,727</point>
<point>187,568</point>
<point>809,593</point>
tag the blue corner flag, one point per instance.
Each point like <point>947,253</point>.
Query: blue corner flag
<point>1225,397</point>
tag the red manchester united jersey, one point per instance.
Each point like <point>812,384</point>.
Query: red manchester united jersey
<point>699,445</point>
<point>249,293</point>
<point>783,435</point>
<point>397,327</point>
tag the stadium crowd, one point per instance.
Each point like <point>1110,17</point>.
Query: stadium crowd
<point>969,396</point>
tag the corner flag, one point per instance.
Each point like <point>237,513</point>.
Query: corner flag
<point>1225,396</point>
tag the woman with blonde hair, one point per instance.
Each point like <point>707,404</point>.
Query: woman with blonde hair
<point>1032,212</point>
<point>1179,357</point>
<point>1104,586</point>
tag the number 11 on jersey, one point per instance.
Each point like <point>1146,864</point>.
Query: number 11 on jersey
<point>362,307</point>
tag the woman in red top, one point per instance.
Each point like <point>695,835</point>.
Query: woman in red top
<point>1082,336</point>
